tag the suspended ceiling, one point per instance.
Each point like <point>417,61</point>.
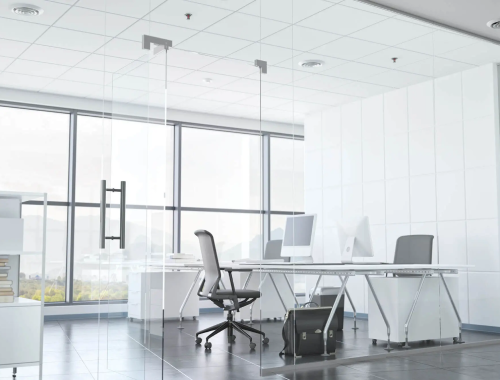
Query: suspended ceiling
<point>83,48</point>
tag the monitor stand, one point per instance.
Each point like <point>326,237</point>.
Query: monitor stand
<point>348,250</point>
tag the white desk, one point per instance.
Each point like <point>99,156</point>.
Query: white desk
<point>346,271</point>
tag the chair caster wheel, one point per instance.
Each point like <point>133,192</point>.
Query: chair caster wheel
<point>208,346</point>
<point>252,346</point>
<point>265,341</point>
<point>198,340</point>
<point>374,341</point>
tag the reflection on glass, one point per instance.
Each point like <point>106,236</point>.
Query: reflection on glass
<point>34,152</point>
<point>287,174</point>
<point>220,169</point>
<point>105,275</point>
<point>236,235</point>
<point>55,265</point>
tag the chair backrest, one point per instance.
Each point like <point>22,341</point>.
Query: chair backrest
<point>210,261</point>
<point>414,249</point>
<point>273,250</point>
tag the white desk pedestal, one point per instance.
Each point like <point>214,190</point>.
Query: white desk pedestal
<point>433,317</point>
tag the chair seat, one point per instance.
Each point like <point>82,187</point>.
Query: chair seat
<point>240,293</point>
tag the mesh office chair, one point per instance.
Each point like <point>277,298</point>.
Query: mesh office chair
<point>413,249</point>
<point>210,288</point>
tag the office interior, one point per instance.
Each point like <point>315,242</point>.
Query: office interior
<point>334,157</point>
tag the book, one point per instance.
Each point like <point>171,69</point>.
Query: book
<point>5,282</point>
<point>4,260</point>
<point>6,299</point>
<point>6,286</point>
<point>2,293</point>
<point>2,267</point>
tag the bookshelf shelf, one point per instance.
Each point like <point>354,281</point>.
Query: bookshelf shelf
<point>14,253</point>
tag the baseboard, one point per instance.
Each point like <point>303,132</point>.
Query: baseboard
<point>62,317</point>
<point>482,328</point>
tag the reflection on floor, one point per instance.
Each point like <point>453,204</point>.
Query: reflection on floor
<point>114,350</point>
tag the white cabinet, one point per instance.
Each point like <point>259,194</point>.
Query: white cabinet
<point>20,331</point>
<point>433,317</point>
<point>148,291</point>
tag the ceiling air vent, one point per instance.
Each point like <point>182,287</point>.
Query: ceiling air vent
<point>311,64</point>
<point>494,24</point>
<point>26,10</point>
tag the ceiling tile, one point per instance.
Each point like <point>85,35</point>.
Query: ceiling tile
<point>137,83</point>
<point>349,48</point>
<point>108,24</point>
<point>302,107</point>
<point>51,11</point>
<point>478,53</point>
<point>271,54</point>
<point>87,76</point>
<point>300,38</point>
<point>342,20</point>
<point>188,60</point>
<point>132,8</point>
<point>200,105</point>
<point>265,101</point>
<point>9,48</point>
<point>392,32</point>
<point>173,73</point>
<point>383,58</point>
<point>213,44</point>
<point>48,70</point>
<point>72,40</point>
<point>321,82</point>
<point>436,67</point>
<point>23,82</point>
<point>363,90</point>
<point>188,90</point>
<point>104,63</point>
<point>247,27</point>
<point>169,32</point>
<point>282,11</point>
<point>437,42</point>
<point>5,62</point>
<point>123,49</point>
<point>225,96</point>
<point>396,79</point>
<point>328,63</point>
<point>331,99</point>
<point>49,54</point>
<point>250,86</point>
<point>196,78</point>
<point>231,67</point>
<point>291,93</point>
<point>240,110</point>
<point>368,8</point>
<point>232,5</point>
<point>172,12</point>
<point>20,30</point>
<point>280,75</point>
<point>355,71</point>
<point>59,86</point>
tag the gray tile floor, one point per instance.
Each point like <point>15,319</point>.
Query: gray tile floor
<point>114,350</point>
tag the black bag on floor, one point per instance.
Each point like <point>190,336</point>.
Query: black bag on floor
<point>303,331</point>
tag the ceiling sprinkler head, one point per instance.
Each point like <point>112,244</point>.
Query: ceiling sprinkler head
<point>394,59</point>
<point>207,80</point>
<point>188,16</point>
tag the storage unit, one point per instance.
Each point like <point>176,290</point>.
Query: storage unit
<point>21,321</point>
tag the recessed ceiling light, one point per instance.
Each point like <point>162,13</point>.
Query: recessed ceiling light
<point>494,24</point>
<point>311,64</point>
<point>207,80</point>
<point>26,10</point>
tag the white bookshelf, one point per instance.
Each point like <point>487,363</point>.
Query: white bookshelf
<point>21,321</point>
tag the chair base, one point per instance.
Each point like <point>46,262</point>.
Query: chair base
<point>230,325</point>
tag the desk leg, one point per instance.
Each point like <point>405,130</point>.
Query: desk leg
<point>332,314</point>
<point>408,320</point>
<point>251,306</point>
<point>388,348</point>
<point>291,290</point>
<point>247,280</point>
<point>352,304</point>
<point>459,339</point>
<point>315,287</point>
<point>186,299</point>
<point>277,291</point>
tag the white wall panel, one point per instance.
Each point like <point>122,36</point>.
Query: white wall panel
<point>332,206</point>
<point>452,241</point>
<point>479,138</point>
<point>484,301</point>
<point>481,193</point>
<point>422,159</point>
<point>374,201</point>
<point>397,200</point>
<point>477,92</point>
<point>421,106</point>
<point>395,112</point>
<point>352,164</point>
<point>450,195</point>
<point>373,159</point>
<point>396,156</point>
<point>449,147</point>
<point>312,132</point>
<point>351,123</point>
<point>423,199</point>
<point>331,128</point>
<point>332,167</point>
<point>448,99</point>
<point>482,245</point>
<point>372,111</point>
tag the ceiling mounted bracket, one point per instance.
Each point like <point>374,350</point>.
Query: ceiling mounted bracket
<point>160,43</point>
<point>262,65</point>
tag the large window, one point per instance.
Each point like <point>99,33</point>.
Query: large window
<point>34,148</point>
<point>221,191</point>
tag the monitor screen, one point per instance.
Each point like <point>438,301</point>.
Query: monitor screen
<point>298,231</point>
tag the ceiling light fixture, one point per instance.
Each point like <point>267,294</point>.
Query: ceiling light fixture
<point>26,10</point>
<point>494,24</point>
<point>311,64</point>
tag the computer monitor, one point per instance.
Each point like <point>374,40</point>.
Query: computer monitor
<point>299,236</point>
<point>355,239</point>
